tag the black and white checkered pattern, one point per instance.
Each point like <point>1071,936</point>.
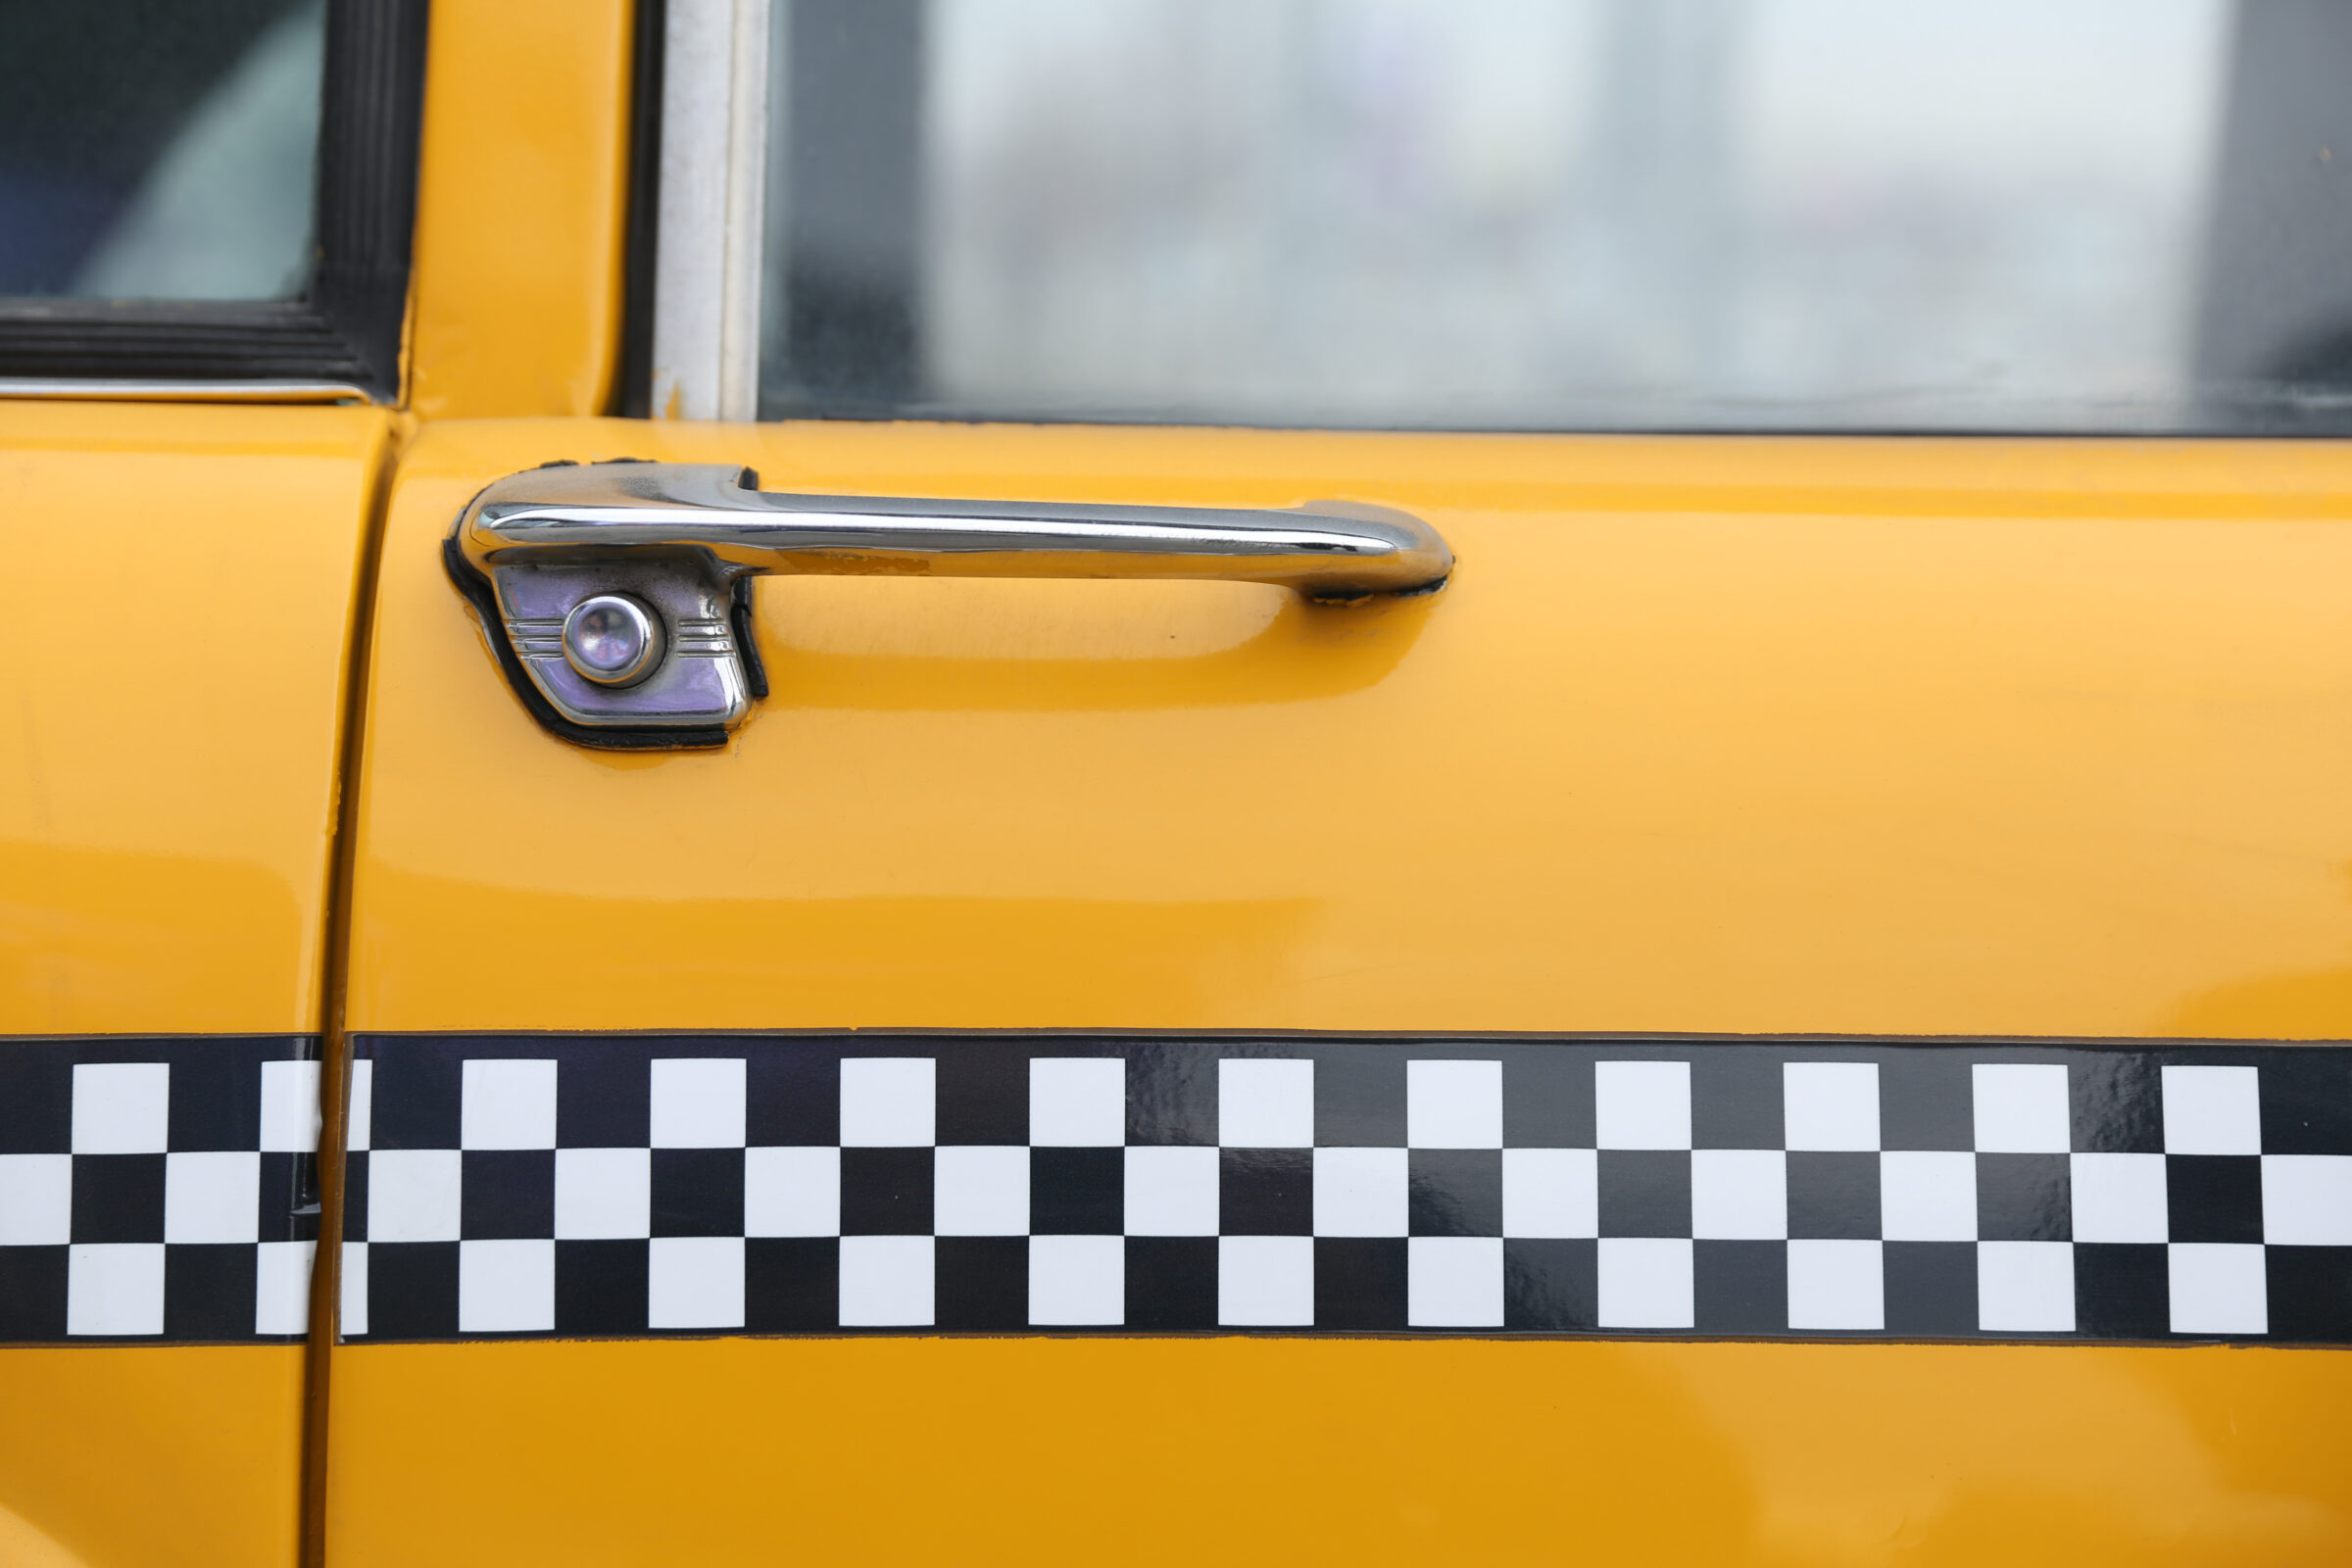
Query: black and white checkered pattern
<point>634,1185</point>
<point>157,1190</point>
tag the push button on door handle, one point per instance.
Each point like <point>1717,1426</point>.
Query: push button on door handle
<point>616,594</point>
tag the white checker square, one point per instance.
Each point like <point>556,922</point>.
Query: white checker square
<point>1171,1191</point>
<point>1265,1105</point>
<point>2218,1287</point>
<point>887,1282</point>
<point>2213,1111</point>
<point>290,1108</point>
<point>413,1195</point>
<point>2026,1287</point>
<point>351,1305</point>
<point>212,1197</point>
<point>1267,1281</point>
<point>1928,1196</point>
<point>358,1107</point>
<point>114,1287</point>
<point>2021,1108</point>
<point>889,1103</point>
<point>1360,1192</point>
<point>281,1287</point>
<point>698,1102</point>
<point>2307,1200</point>
<point>980,1190</point>
<point>792,1191</point>
<point>1642,1104</point>
<point>1830,1104</point>
<point>1645,1283</point>
<point>695,1282</point>
<point>1076,1280</point>
<point>606,1194</point>
<point>1453,1105</point>
<point>1453,1281</point>
<point>1739,1195</point>
<point>506,1286</point>
<point>508,1104</point>
<point>1078,1102</point>
<point>122,1107</point>
<point>1836,1285</point>
<point>2120,1198</point>
<point>36,1200</point>
<point>1550,1194</point>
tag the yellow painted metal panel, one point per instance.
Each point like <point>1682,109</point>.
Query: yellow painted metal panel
<point>182,580</point>
<point>519,218</point>
<point>1233,1451</point>
<point>132,1455</point>
<point>1733,735</point>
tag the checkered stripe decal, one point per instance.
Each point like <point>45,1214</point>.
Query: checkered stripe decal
<point>770,1185</point>
<point>157,1190</point>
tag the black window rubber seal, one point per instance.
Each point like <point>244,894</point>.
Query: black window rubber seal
<point>347,325</point>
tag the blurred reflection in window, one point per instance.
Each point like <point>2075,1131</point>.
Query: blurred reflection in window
<point>158,149</point>
<point>1566,213</point>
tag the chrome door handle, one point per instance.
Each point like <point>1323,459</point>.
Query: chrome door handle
<point>616,595</point>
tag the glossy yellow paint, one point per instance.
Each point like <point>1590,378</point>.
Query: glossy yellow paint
<point>1860,736</point>
<point>519,215</point>
<point>187,1456</point>
<point>1236,1450</point>
<point>183,580</point>
<point>1726,735</point>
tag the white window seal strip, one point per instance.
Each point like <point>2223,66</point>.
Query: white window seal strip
<point>713,176</point>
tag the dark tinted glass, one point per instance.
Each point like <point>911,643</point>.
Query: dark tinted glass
<point>2021,215</point>
<point>158,149</point>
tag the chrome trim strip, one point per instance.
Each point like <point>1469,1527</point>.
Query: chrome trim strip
<point>100,391</point>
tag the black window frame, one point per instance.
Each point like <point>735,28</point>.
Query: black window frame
<point>346,327</point>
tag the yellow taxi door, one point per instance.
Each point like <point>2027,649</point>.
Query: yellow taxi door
<point>197,362</point>
<point>1779,1015</point>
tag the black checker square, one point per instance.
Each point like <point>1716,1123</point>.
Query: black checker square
<point>1453,1192</point>
<point>1546,1100</point>
<point>417,1097</point>
<point>1171,1282</point>
<point>2116,1102</point>
<point>2311,1293</point>
<point>791,1284</point>
<point>1360,1282</point>
<point>981,1282</point>
<point>288,1197</point>
<point>1360,1097</point>
<point>36,1104</point>
<point>506,1194</point>
<point>2025,1198</point>
<point>355,1196</point>
<point>1735,1100</point>
<point>2122,1290</point>
<point>2213,1198</point>
<point>1930,1289</point>
<point>32,1293</point>
<point>1265,1192</point>
<point>1172,1096</point>
<point>1077,1192</point>
<point>2306,1103</point>
<point>412,1290</point>
<point>601,1287</point>
<point>118,1197</point>
<point>790,1098</point>
<point>216,1099</point>
<point>209,1291</point>
<point>1645,1192</point>
<point>983,1092</point>
<point>885,1192</point>
<point>1550,1287</point>
<point>604,1100</point>
<point>1926,1101</point>
<point>1740,1287</point>
<point>699,1192</point>
<point>1833,1196</point>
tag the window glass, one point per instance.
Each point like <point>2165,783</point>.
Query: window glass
<point>2064,214</point>
<point>158,149</point>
